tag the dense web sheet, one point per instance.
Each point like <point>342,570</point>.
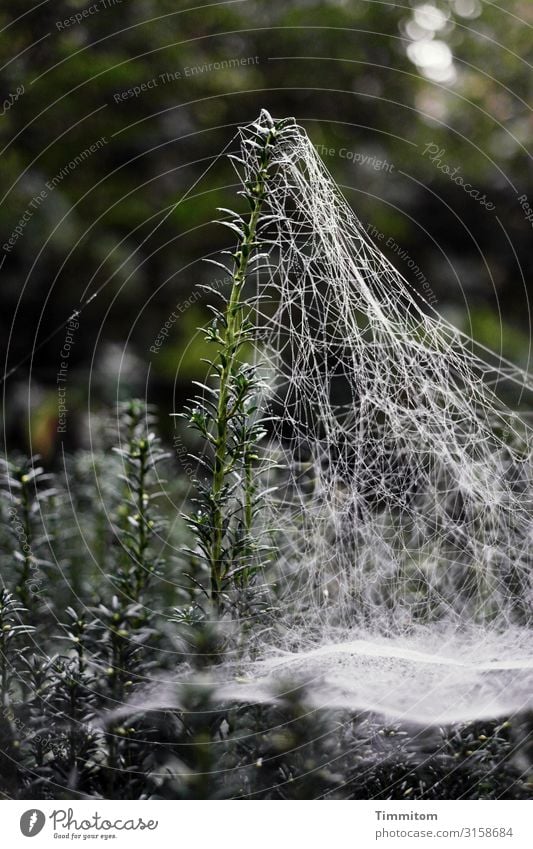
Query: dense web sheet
<point>404,512</point>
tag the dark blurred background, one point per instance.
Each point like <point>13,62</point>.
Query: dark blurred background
<point>113,111</point>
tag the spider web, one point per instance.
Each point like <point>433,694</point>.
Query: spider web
<point>404,507</point>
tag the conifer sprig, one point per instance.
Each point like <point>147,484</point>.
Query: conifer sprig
<point>226,415</point>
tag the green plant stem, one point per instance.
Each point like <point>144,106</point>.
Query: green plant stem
<point>26,568</point>
<point>142,542</point>
<point>4,681</point>
<point>249,488</point>
<point>230,348</point>
<point>72,728</point>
